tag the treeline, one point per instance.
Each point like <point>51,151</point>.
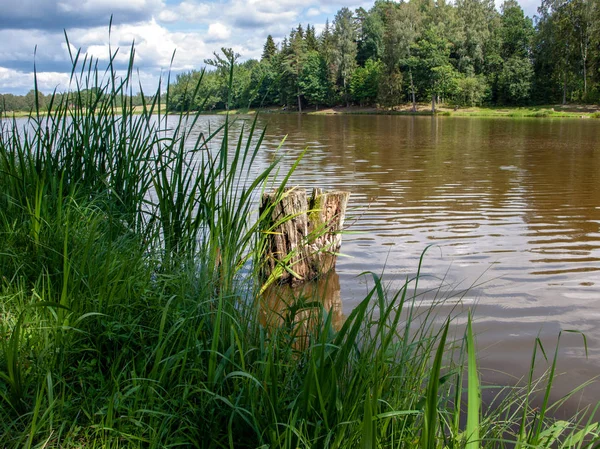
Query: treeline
<point>465,54</point>
<point>27,102</point>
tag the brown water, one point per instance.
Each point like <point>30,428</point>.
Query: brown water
<point>511,207</point>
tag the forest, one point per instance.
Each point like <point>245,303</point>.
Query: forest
<point>465,53</point>
<point>461,54</point>
<point>36,100</point>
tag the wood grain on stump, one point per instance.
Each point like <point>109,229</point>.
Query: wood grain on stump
<point>304,234</point>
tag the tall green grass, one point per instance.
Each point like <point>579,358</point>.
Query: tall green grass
<point>130,308</point>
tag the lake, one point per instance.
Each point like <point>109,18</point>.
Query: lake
<point>511,207</point>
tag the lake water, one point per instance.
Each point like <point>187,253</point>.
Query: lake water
<point>511,207</point>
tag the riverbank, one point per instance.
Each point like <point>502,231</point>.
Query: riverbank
<point>548,111</point>
<point>135,110</point>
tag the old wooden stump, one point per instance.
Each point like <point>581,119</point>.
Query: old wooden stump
<point>304,234</point>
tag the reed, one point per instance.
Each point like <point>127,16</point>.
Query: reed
<point>131,312</point>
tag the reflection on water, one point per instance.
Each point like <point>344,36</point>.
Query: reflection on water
<point>512,207</point>
<point>300,307</point>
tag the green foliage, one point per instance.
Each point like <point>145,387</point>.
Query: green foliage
<point>474,391</point>
<point>465,53</point>
<point>224,65</point>
<point>312,44</point>
<point>34,99</point>
<point>195,91</point>
<point>390,91</point>
<point>10,103</point>
<point>294,56</point>
<point>270,49</point>
<point>473,31</point>
<point>470,90</point>
<point>515,81</point>
<point>370,36</point>
<point>208,90</point>
<point>344,50</point>
<point>313,80</point>
<point>365,82</point>
<point>566,34</point>
<point>516,31</point>
<point>430,59</point>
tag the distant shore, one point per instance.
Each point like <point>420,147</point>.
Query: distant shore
<point>546,111</point>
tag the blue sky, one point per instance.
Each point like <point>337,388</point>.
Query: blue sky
<point>192,28</point>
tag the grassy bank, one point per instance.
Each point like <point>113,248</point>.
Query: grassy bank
<point>131,314</point>
<point>134,110</point>
<point>548,111</point>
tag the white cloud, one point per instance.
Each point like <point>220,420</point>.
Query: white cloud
<point>189,12</point>
<point>154,45</point>
<point>195,11</point>
<point>168,16</point>
<point>16,80</point>
<point>218,31</point>
<point>102,52</point>
<point>256,18</point>
<point>48,81</point>
<point>277,6</point>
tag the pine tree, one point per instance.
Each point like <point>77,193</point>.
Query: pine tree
<point>345,49</point>
<point>327,51</point>
<point>313,81</point>
<point>294,60</point>
<point>311,38</point>
<point>270,49</point>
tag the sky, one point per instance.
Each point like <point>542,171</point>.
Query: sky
<point>174,35</point>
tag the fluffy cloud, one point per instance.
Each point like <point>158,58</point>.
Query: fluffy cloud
<point>154,45</point>
<point>218,32</point>
<point>20,46</point>
<point>16,80</point>
<point>168,16</point>
<point>190,12</point>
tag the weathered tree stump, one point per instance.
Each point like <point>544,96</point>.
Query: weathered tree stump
<point>325,223</point>
<point>304,234</point>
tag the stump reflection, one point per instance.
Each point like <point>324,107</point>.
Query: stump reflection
<point>298,309</point>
